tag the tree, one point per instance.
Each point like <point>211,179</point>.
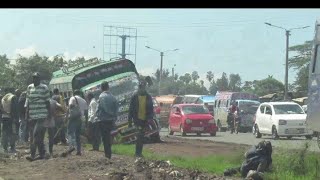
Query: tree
<point>25,67</point>
<point>268,86</point>
<point>195,76</point>
<point>301,63</point>
<point>213,88</point>
<point>210,76</point>
<point>234,82</point>
<point>202,83</point>
<point>186,78</point>
<point>222,83</point>
<point>7,73</point>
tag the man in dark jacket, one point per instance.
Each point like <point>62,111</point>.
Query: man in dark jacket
<point>140,111</point>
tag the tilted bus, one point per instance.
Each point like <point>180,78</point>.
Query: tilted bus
<point>313,113</point>
<point>87,76</point>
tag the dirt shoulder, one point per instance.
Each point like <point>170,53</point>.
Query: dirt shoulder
<point>93,165</point>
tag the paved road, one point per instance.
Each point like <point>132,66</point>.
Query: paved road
<point>249,139</point>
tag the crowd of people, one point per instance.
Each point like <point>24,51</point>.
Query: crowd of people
<point>27,116</point>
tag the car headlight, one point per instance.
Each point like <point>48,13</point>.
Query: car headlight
<point>212,121</point>
<point>188,121</point>
<point>282,122</point>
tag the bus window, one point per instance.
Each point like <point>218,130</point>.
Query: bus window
<point>219,103</point>
<point>228,103</point>
<point>215,103</point>
<point>316,63</point>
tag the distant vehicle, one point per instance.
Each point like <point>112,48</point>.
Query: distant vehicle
<point>281,119</point>
<point>191,118</point>
<point>199,99</point>
<point>166,102</point>
<point>156,109</point>
<point>222,103</point>
<point>248,109</point>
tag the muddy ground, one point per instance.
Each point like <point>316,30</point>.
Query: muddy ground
<point>92,165</point>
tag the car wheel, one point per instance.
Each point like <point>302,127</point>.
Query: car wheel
<point>198,134</point>
<point>274,133</point>
<point>170,131</point>
<point>309,137</point>
<point>213,134</point>
<point>256,133</point>
<point>182,132</point>
<point>289,137</point>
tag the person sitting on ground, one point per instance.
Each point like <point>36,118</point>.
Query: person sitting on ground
<point>258,158</point>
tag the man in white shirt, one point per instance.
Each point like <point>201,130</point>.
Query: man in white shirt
<point>93,125</point>
<point>74,124</point>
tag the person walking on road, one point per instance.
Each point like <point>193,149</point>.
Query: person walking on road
<point>38,110</point>
<point>75,117</point>
<point>107,114</point>
<point>9,104</point>
<point>140,111</point>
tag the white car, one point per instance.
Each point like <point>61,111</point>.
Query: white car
<point>281,119</point>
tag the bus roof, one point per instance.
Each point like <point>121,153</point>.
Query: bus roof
<point>78,72</point>
<point>109,79</point>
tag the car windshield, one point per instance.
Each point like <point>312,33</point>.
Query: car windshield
<point>288,109</point>
<point>195,110</point>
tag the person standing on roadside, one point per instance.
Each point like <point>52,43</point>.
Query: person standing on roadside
<point>38,110</point>
<point>93,127</point>
<point>75,117</point>
<point>140,111</point>
<point>49,123</point>
<point>107,114</point>
<point>9,104</point>
<point>22,118</point>
<point>59,119</point>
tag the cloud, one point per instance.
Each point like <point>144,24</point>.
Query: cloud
<point>25,52</point>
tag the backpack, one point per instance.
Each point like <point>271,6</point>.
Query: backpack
<point>75,112</point>
<point>6,103</point>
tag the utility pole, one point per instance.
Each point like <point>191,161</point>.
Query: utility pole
<point>161,64</point>
<point>287,66</point>
<point>287,31</point>
<point>173,71</point>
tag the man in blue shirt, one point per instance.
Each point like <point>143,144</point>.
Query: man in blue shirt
<point>107,114</point>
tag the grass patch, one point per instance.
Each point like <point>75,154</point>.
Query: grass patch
<point>287,164</point>
<point>212,163</point>
<point>299,165</point>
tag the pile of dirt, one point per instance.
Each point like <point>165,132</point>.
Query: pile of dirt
<point>93,165</point>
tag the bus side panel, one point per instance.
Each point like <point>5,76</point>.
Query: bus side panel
<point>313,108</point>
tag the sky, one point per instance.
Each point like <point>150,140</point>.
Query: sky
<point>217,40</point>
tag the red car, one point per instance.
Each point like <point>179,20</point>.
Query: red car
<point>191,118</point>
